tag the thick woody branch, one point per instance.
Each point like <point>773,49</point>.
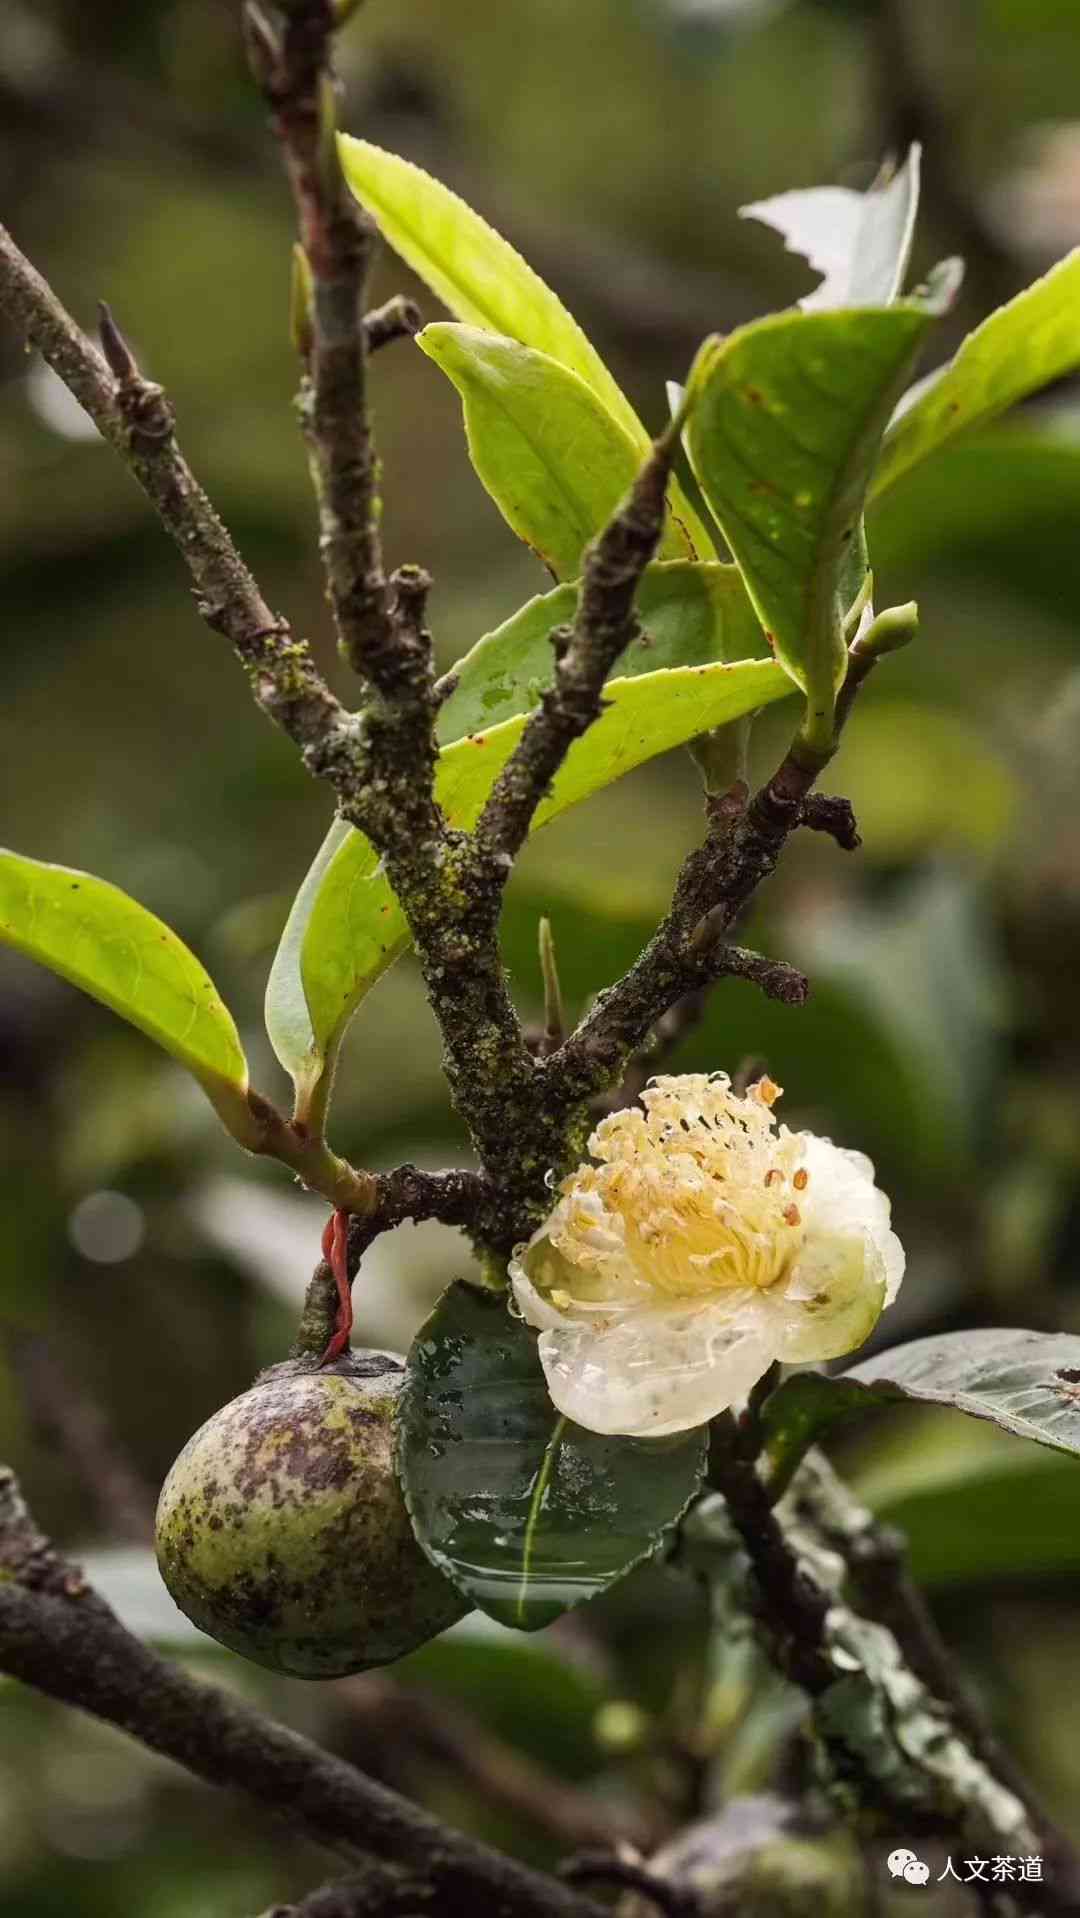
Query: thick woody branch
<point>893,1728</point>
<point>876,1561</point>
<point>59,1636</point>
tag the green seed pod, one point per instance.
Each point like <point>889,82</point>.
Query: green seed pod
<point>281,1529</point>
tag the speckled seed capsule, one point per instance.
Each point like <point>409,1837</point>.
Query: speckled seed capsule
<point>281,1529</point>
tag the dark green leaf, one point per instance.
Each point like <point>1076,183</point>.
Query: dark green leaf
<point>525,1511</point>
<point>1028,1383</point>
<point>786,425</point>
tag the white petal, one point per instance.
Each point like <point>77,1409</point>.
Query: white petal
<point>832,1301</point>
<point>536,1309</point>
<point>649,1373</point>
<point>539,1267</point>
<point>841,1200</point>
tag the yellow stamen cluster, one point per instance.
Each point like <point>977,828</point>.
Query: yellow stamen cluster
<point>694,1194</point>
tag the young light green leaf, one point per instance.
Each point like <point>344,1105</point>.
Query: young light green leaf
<point>1024,345</point>
<point>347,928</point>
<point>285,1011</point>
<point>554,460</point>
<point>484,281</point>
<point>527,1513</point>
<point>471,268</point>
<point>693,613</point>
<point>787,422</point>
<point>1028,1383</point>
<point>859,242</point>
<point>90,932</point>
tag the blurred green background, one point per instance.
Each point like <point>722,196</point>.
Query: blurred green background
<point>149,1270</point>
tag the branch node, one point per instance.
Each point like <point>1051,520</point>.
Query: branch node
<point>828,813</point>
<point>398,319</point>
<point>776,979</point>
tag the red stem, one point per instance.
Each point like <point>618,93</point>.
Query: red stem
<point>335,1245</point>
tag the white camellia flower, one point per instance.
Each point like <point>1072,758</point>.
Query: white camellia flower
<point>704,1243</point>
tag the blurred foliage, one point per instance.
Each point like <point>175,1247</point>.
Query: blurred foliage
<point>943,1034</point>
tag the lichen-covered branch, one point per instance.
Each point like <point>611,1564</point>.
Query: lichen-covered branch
<point>901,1749</point>
<point>876,1563</point>
<point>59,1636</point>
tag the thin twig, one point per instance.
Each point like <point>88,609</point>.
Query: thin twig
<point>61,1407</point>
<point>687,952</point>
<point>59,1636</point>
<point>134,415</point>
<point>743,843</point>
<point>789,1602</point>
<point>585,653</point>
<point>608,1868</point>
<point>380,1893</point>
<point>294,69</point>
<point>393,1717</point>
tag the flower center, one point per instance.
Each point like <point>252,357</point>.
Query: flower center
<point>698,1193</point>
